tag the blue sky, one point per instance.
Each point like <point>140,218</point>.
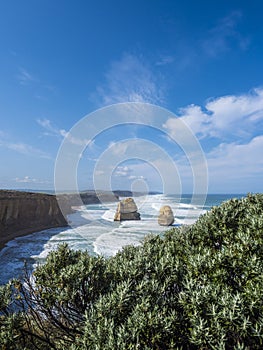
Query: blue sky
<point>201,60</point>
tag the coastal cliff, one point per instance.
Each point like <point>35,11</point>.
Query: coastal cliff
<point>24,212</point>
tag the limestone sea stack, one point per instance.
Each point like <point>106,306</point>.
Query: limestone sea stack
<point>127,210</point>
<point>166,216</point>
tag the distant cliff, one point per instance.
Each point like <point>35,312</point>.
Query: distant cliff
<point>86,197</point>
<point>23,213</point>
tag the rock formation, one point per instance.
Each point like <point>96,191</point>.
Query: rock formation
<point>127,210</point>
<point>166,216</point>
<point>24,212</point>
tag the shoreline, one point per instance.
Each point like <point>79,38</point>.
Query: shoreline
<point>21,233</point>
<point>23,213</point>
<point>36,207</point>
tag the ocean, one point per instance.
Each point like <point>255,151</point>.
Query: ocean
<point>92,228</point>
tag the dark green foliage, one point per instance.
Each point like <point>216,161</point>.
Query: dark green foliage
<point>198,287</point>
<point>10,321</point>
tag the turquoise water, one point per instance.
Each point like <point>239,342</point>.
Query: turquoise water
<point>93,229</point>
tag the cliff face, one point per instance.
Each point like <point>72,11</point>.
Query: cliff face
<point>23,212</point>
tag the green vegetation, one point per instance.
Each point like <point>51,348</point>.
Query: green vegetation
<point>198,287</point>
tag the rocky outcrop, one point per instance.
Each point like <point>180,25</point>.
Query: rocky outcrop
<point>166,216</point>
<point>127,210</point>
<point>23,213</point>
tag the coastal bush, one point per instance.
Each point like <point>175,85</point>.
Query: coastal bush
<point>10,321</point>
<point>197,287</point>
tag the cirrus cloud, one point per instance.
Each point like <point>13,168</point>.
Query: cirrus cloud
<point>21,147</point>
<point>129,80</point>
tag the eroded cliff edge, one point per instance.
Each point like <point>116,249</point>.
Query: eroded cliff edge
<point>25,212</point>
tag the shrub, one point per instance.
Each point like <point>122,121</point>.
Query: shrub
<point>197,287</point>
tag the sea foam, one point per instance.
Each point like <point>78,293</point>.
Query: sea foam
<point>92,228</point>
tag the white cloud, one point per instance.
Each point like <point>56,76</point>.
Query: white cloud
<point>236,114</point>
<point>22,148</point>
<point>74,140</point>
<point>130,80</point>
<point>123,171</point>
<point>231,128</point>
<point>24,77</point>
<point>51,130</point>
<point>128,172</point>
<point>246,158</point>
<point>118,148</point>
<point>194,117</point>
<point>46,124</point>
<point>28,179</point>
<point>133,177</point>
<point>41,89</point>
<point>225,117</point>
<point>237,167</point>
